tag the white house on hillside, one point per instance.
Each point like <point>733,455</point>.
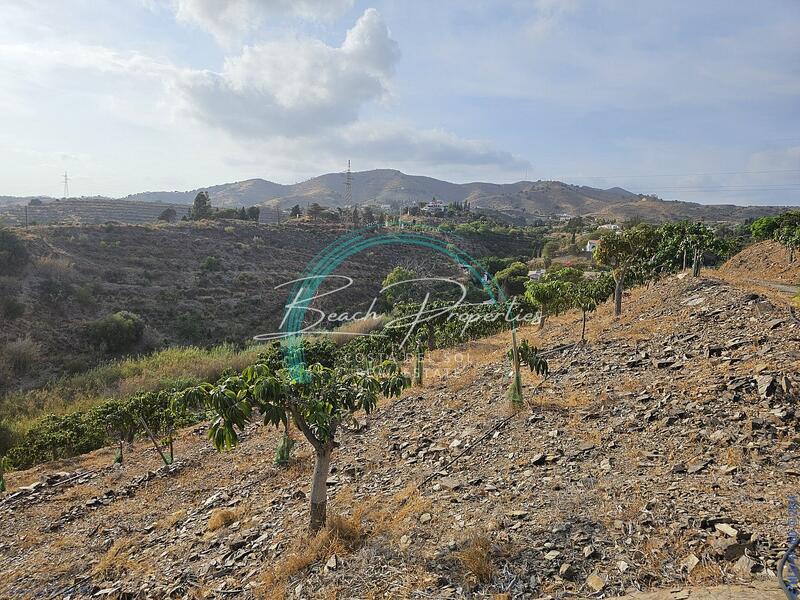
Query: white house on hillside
<point>433,207</point>
<point>610,227</point>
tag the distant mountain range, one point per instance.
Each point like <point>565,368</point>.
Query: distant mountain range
<point>521,200</point>
<point>524,200</point>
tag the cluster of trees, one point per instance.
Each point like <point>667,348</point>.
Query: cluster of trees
<point>564,288</point>
<point>784,229</point>
<point>53,437</point>
<point>357,216</point>
<point>642,253</point>
<point>202,209</point>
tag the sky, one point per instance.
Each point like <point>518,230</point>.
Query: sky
<point>696,101</point>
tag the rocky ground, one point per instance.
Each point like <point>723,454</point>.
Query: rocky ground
<point>661,453</point>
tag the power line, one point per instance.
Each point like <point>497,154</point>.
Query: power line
<point>679,174</point>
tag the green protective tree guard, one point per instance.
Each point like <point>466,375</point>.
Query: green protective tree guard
<point>284,451</point>
<point>515,391</point>
<point>418,368</point>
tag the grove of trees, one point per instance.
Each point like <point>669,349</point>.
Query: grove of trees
<point>784,229</point>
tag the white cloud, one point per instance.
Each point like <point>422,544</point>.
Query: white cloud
<point>295,87</point>
<point>396,144</point>
<point>227,19</point>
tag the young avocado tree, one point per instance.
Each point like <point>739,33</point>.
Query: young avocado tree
<point>317,400</point>
<point>586,294</point>
<point>625,252</point>
<point>523,354</point>
<point>548,296</point>
<point>699,239</point>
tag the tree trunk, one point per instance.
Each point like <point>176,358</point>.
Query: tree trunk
<point>684,259</point>
<point>583,331</point>
<point>431,338</point>
<point>319,487</point>
<point>618,295</point>
<point>541,320</point>
<point>696,264</point>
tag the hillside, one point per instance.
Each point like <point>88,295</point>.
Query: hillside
<point>89,211</point>
<point>78,274</point>
<point>661,453</point>
<point>523,200</point>
<point>767,260</point>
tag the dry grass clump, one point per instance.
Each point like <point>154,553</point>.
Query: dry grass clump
<point>54,267</point>
<point>345,534</point>
<point>116,561</point>
<point>222,517</point>
<point>476,557</point>
<point>306,552</point>
<point>172,367</point>
<point>21,355</point>
<point>169,521</point>
<point>346,333</point>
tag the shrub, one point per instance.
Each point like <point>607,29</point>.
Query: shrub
<point>188,327</point>
<point>211,263</point>
<point>11,308</point>
<point>54,291</point>
<point>21,355</point>
<point>8,437</point>
<point>117,332</point>
<point>13,254</point>
<point>84,295</point>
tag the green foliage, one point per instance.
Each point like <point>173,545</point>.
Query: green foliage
<point>189,327</point>
<point>530,356</point>
<point>563,274</point>
<point>787,231</point>
<point>201,208</point>
<point>55,437</point>
<point>764,228</point>
<point>5,465</point>
<point>397,290</point>
<point>550,297</point>
<point>13,254</point>
<point>117,332</point>
<point>211,263</point>
<point>314,351</point>
<point>317,402</point>
<point>513,278</point>
<point>686,243</point>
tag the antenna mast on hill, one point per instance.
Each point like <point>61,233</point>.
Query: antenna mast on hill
<point>348,186</point>
<point>66,186</point>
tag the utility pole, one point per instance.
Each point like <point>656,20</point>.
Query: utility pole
<point>348,186</point>
<point>26,216</point>
<point>66,186</point>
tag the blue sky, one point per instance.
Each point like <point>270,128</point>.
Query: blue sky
<point>689,100</point>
